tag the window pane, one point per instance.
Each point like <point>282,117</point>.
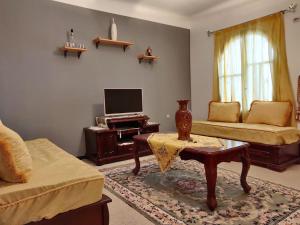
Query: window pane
<point>237,88</point>
<point>230,71</point>
<point>259,63</point>
<point>267,84</point>
<point>258,68</point>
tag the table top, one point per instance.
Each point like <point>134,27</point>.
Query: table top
<point>229,146</point>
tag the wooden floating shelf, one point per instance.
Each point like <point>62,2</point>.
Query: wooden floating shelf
<point>103,41</point>
<point>73,50</point>
<point>148,58</point>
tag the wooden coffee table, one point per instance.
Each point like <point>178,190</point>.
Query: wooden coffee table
<point>210,157</point>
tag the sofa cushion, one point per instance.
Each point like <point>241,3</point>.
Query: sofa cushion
<point>15,160</point>
<point>270,112</point>
<point>224,111</point>
<point>254,133</point>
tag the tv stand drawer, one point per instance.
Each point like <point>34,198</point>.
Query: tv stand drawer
<point>125,147</point>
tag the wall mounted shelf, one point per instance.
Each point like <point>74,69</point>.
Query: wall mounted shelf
<point>102,41</point>
<point>150,59</point>
<point>73,50</point>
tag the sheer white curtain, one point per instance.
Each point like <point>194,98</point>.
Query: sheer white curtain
<point>250,63</point>
<point>245,69</point>
<point>230,72</point>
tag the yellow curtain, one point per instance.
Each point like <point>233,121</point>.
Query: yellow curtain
<point>272,27</point>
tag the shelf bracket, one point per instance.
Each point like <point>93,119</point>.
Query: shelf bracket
<point>66,54</point>
<point>97,44</point>
<point>125,47</point>
<point>150,61</point>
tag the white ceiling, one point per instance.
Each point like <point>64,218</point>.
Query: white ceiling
<point>172,12</point>
<point>181,7</point>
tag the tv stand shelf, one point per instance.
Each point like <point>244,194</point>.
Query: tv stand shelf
<point>126,131</point>
<point>138,121</point>
<point>115,143</point>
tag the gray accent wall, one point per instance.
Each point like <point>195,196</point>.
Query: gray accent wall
<point>44,95</point>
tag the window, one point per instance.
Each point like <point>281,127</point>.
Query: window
<point>245,69</point>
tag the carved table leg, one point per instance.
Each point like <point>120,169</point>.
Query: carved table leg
<point>211,179</point>
<point>246,165</point>
<point>136,159</point>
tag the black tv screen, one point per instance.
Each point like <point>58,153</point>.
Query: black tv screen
<point>123,101</point>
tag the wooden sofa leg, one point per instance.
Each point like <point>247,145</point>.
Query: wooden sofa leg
<point>105,214</point>
<point>104,209</point>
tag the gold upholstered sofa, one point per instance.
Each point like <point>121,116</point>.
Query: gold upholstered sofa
<point>41,184</point>
<point>273,142</point>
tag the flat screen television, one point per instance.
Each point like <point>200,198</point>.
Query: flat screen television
<point>123,101</point>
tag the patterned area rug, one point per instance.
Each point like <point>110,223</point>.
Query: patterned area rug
<point>179,196</point>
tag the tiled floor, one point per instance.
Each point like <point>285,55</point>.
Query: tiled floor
<point>123,214</point>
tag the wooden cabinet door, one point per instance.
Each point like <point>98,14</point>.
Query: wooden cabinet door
<point>107,144</point>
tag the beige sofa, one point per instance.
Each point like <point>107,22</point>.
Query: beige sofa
<point>272,146</point>
<point>61,189</point>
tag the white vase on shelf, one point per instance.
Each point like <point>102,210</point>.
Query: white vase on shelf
<point>113,30</point>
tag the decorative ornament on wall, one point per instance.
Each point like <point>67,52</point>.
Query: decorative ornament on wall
<point>149,51</point>
<point>71,39</point>
<point>71,46</point>
<point>147,56</point>
<point>113,30</point>
<point>112,39</point>
<point>292,7</point>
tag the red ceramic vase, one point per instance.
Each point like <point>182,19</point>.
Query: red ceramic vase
<point>183,119</point>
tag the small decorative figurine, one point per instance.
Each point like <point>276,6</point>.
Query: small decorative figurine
<point>149,51</point>
<point>72,38</point>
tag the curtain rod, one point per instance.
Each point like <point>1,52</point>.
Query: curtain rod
<point>291,9</point>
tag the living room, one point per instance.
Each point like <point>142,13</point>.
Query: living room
<point>149,112</point>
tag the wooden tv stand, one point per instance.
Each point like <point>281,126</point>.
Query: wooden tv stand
<point>115,143</point>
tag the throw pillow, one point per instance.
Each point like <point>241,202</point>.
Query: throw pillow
<point>15,160</point>
<point>270,112</point>
<point>224,111</point>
